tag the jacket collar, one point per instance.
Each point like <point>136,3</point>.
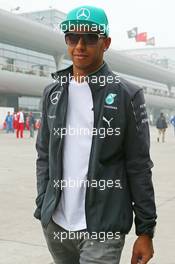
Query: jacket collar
<point>64,72</point>
<point>92,78</point>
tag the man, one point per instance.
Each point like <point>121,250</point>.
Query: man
<point>15,120</point>
<point>9,122</point>
<point>93,165</point>
<point>20,124</point>
<point>31,120</point>
<point>173,123</point>
<point>161,125</point>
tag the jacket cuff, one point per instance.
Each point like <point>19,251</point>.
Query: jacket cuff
<point>37,214</point>
<point>150,232</point>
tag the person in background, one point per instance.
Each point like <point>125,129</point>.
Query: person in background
<point>9,123</point>
<point>20,124</point>
<point>27,123</point>
<point>172,120</point>
<point>161,125</point>
<point>15,121</point>
<point>31,122</point>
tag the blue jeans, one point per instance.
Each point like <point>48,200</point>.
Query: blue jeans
<point>81,250</point>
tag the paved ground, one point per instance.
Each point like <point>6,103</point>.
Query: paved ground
<point>21,238</point>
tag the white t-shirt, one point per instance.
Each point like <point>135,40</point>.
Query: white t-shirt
<point>21,117</point>
<point>70,212</point>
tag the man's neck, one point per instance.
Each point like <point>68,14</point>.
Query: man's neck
<point>80,74</point>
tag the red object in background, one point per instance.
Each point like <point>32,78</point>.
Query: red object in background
<point>15,121</point>
<point>141,37</point>
<point>20,127</point>
<point>27,123</point>
<point>37,124</point>
<point>20,130</point>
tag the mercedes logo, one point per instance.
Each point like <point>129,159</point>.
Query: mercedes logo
<point>83,13</point>
<point>54,97</point>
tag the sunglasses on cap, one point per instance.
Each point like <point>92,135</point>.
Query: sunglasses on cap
<point>72,38</point>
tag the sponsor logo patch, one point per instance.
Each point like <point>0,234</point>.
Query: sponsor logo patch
<point>110,98</point>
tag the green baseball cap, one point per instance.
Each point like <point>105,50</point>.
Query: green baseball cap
<point>90,17</point>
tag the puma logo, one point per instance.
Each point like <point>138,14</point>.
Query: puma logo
<point>108,121</point>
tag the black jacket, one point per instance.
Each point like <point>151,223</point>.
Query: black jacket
<point>121,158</point>
<point>161,123</point>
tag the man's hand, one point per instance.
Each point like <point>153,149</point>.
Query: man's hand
<point>142,250</point>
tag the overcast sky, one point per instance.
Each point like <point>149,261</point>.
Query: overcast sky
<point>153,16</point>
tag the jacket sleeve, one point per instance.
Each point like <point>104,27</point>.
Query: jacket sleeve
<point>42,162</point>
<point>138,166</point>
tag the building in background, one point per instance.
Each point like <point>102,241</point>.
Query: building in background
<point>162,57</point>
<point>26,71</point>
<point>32,63</point>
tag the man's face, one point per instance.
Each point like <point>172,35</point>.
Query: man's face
<point>85,56</point>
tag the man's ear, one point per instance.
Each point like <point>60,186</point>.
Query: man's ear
<point>107,43</point>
